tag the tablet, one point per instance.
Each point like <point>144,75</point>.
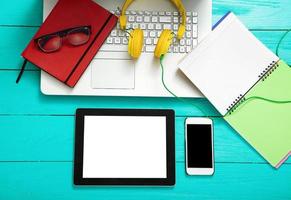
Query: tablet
<point>124,147</point>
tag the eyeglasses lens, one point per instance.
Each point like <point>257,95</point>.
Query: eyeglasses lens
<point>50,43</point>
<point>78,36</point>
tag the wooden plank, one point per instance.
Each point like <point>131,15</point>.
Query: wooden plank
<point>51,138</point>
<point>18,12</point>
<point>271,40</point>
<point>30,94</point>
<point>14,39</point>
<point>26,98</point>
<point>255,13</point>
<point>243,181</point>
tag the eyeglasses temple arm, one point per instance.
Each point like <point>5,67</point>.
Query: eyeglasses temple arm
<point>21,71</point>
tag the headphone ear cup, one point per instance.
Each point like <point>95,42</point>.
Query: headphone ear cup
<point>164,43</point>
<point>135,43</point>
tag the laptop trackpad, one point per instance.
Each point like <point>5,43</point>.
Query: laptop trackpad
<point>112,74</point>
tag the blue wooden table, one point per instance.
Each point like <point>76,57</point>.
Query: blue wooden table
<point>37,131</point>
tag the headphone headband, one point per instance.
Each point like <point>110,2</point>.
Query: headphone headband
<point>177,3</point>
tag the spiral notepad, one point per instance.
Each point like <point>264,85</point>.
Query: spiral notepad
<point>262,77</point>
<point>265,125</point>
<point>231,65</point>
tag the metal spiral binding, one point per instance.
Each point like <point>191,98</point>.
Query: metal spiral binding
<point>263,76</point>
<point>268,70</point>
<point>235,104</point>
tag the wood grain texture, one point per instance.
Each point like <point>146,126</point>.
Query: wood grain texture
<point>40,180</point>
<point>21,13</point>
<point>34,143</point>
<point>37,131</point>
<point>256,14</point>
<point>25,98</point>
<point>13,40</point>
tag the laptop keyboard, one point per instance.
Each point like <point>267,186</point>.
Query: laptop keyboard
<point>153,23</point>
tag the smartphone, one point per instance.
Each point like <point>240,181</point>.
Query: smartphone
<point>199,146</point>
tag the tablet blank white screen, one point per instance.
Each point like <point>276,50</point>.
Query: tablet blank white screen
<point>124,147</point>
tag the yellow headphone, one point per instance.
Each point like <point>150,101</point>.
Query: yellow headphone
<point>135,42</point>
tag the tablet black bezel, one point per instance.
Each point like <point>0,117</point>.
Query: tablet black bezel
<point>79,144</point>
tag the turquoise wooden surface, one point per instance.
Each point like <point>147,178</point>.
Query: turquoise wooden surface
<point>37,131</point>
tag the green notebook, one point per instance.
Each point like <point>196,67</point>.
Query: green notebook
<point>229,67</point>
<point>266,125</point>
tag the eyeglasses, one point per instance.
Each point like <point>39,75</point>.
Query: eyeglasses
<point>52,42</point>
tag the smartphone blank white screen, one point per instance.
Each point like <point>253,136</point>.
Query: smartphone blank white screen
<point>124,147</point>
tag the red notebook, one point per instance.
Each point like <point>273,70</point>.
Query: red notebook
<point>69,63</point>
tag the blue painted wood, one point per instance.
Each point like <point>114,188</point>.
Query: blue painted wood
<point>37,131</point>
<point>26,98</point>
<point>40,180</point>
<point>35,143</point>
<point>21,13</point>
<point>257,14</point>
<point>13,40</point>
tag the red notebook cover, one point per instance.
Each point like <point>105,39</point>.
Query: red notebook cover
<point>69,63</point>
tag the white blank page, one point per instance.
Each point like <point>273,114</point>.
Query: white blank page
<point>124,147</point>
<point>227,63</point>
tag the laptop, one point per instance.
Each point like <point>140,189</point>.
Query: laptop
<point>113,73</point>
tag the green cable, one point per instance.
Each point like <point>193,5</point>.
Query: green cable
<point>246,100</point>
<point>280,41</point>
<point>163,81</point>
<point>256,98</point>
<point>172,93</point>
<point>268,100</point>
